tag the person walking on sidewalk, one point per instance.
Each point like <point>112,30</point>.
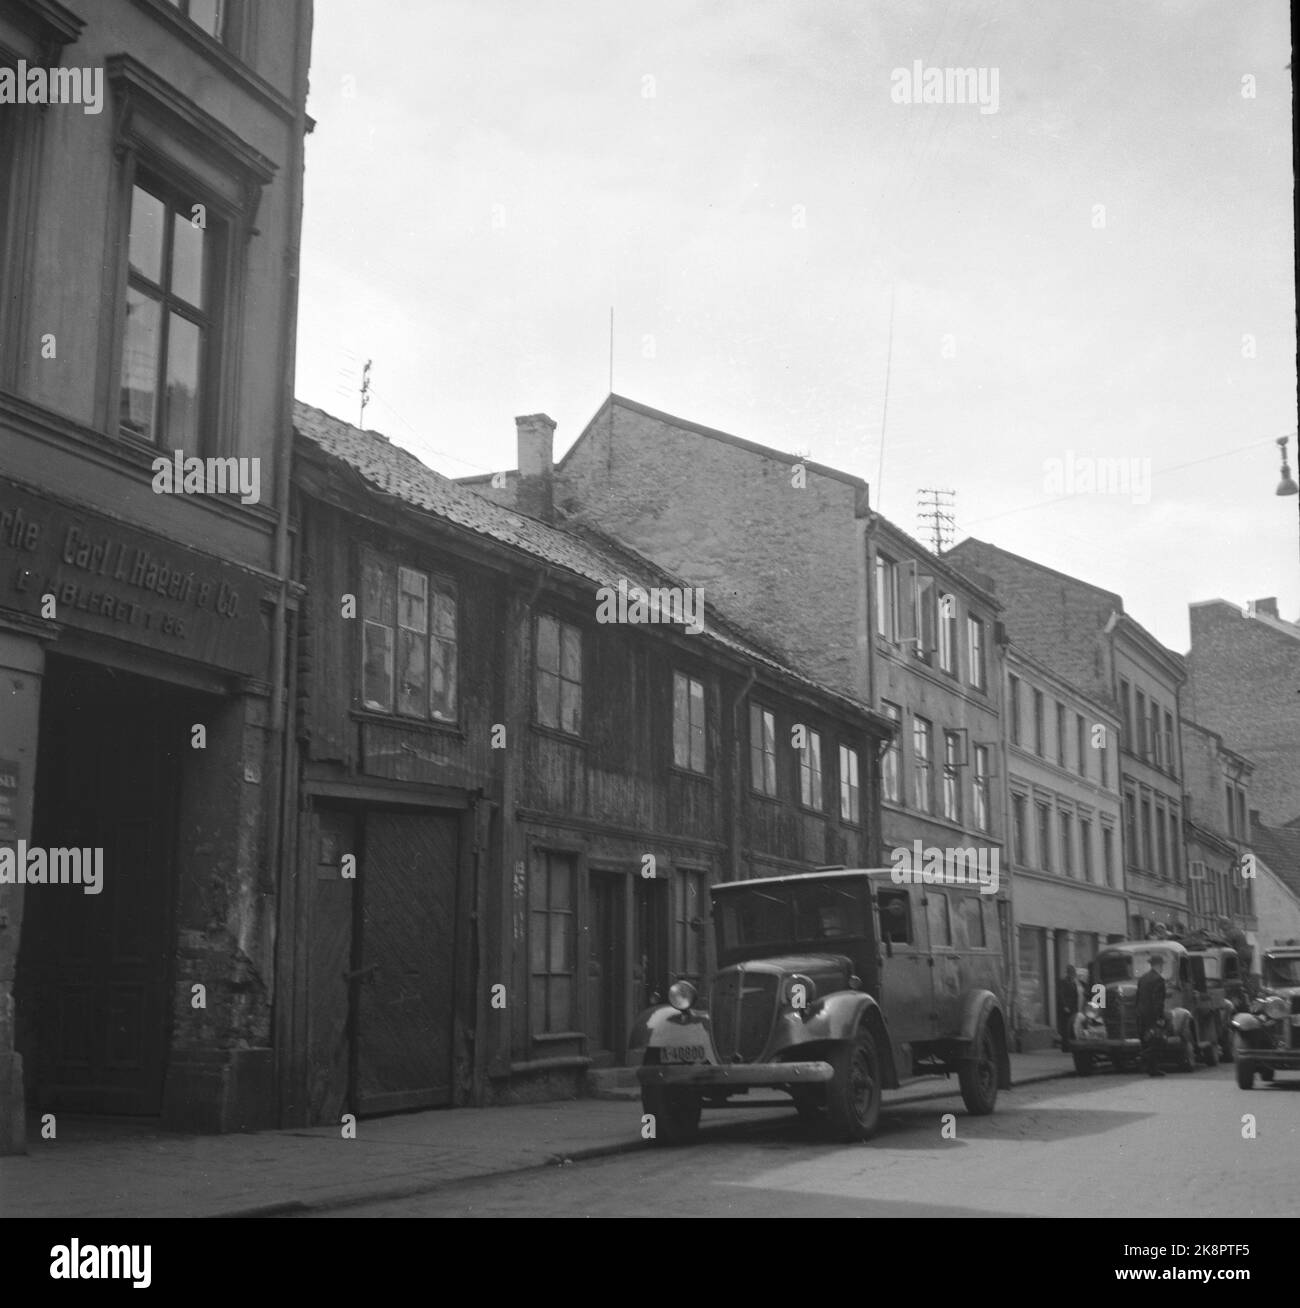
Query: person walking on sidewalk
<point>1151,1013</point>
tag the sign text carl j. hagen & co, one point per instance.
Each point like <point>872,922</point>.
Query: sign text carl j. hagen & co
<point>118,580</point>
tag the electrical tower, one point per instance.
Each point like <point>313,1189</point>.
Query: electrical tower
<point>935,514</point>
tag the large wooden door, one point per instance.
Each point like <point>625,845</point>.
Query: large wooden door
<point>95,976</point>
<point>405,968</point>
<point>650,978</point>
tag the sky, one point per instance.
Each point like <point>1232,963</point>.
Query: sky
<point>1085,279</point>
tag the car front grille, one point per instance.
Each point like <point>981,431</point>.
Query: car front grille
<point>1121,1017</point>
<point>742,1010</point>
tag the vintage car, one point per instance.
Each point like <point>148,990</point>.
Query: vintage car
<point>1110,1029</point>
<point>1218,975</point>
<point>832,986</point>
<point>1267,1038</point>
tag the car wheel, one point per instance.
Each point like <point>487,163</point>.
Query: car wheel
<point>1266,1073</point>
<point>1245,1072</point>
<point>1082,1064</point>
<point>978,1077</point>
<point>853,1093</point>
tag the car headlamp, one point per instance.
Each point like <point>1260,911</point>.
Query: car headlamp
<point>1275,1006</point>
<point>681,995</point>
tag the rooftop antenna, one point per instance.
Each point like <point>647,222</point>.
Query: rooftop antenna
<point>884,409</point>
<point>937,512</point>
<point>365,394</point>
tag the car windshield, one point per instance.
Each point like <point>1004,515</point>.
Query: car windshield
<point>1130,966</point>
<point>1282,971</point>
<point>816,913</point>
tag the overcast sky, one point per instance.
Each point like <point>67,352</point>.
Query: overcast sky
<point>734,177</point>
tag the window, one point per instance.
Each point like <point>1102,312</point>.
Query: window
<point>1130,829</point>
<point>891,765</point>
<point>850,790</point>
<point>1156,738</point>
<point>1175,848</point>
<point>937,913</point>
<point>168,320</point>
<point>1126,711</point>
<point>1081,744</point>
<point>952,765</point>
<point>1044,837</point>
<point>1104,758</point>
<point>975,634</point>
<point>811,793</point>
<point>886,597</point>
<point>1060,735</point>
<point>1018,830</point>
<point>690,906</point>
<point>1243,829</point>
<point>1013,706</point>
<point>1162,850</point>
<point>1143,725</point>
<point>980,787</point>
<point>1232,810</point>
<point>552,936</point>
<point>559,675</point>
<point>1039,726</point>
<point>1170,756</point>
<point>970,912</point>
<point>895,910</point>
<point>688,723</point>
<point>925,619</point>
<point>1066,821</point>
<point>762,749</point>
<point>1108,855</point>
<point>409,651</point>
<point>1085,849</point>
<point>922,763</point>
<point>948,633</point>
<point>1147,861</point>
<point>207,14</point>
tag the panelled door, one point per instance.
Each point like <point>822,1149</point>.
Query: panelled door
<point>604,931</point>
<point>650,942</point>
<point>404,975</point>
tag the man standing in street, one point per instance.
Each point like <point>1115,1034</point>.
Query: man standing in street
<point>1151,1013</point>
<point>1069,1002</point>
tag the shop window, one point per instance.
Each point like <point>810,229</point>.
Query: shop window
<point>552,942</point>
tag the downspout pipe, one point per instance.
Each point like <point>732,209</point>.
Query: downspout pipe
<point>737,776</point>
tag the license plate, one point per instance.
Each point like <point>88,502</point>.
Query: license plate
<point>683,1054</point>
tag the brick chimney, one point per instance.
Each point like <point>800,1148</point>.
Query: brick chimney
<point>536,495</point>
<point>1268,606</point>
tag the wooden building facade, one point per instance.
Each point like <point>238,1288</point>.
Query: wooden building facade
<point>536,800</point>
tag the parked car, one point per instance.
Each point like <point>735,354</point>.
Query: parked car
<point>1267,1038</point>
<point>1218,975</point>
<point>831,987</point>
<point>1190,1031</point>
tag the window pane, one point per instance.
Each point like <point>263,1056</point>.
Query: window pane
<point>548,699</point>
<point>442,679</point>
<point>538,943</point>
<point>148,213</point>
<point>184,343</point>
<point>560,1003</point>
<point>571,653</point>
<point>207,14</point>
<point>570,707</point>
<point>376,591</point>
<point>188,243</point>
<point>412,673</point>
<point>444,612</point>
<point>548,645</point>
<point>681,722</point>
<point>377,684</point>
<point>140,365</point>
<point>412,600</point>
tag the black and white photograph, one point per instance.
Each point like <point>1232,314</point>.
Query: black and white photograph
<point>649,610</point>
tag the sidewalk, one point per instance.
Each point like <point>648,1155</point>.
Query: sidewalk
<point>129,1170</point>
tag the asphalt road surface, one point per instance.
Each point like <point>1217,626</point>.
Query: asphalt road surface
<point>1111,1144</point>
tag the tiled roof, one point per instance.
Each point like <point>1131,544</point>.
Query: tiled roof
<point>1279,847</point>
<point>397,472</point>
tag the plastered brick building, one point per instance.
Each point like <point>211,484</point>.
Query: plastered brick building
<point>1243,681</point>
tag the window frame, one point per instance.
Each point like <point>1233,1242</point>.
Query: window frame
<point>689,725</point>
<point>1013,702</point>
<point>887,597</point>
<point>540,1027</point>
<point>812,776</point>
<point>980,794</point>
<point>758,752</point>
<point>893,755</point>
<point>562,625</point>
<point>949,661</point>
<point>952,784</point>
<point>1043,833</point>
<point>1040,724</point>
<point>977,673</point>
<point>850,784</point>
<point>922,764</point>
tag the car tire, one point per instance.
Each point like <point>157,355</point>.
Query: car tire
<point>853,1092</point>
<point>1266,1073</point>
<point>1245,1072</point>
<point>1082,1064</point>
<point>978,1076</point>
<point>675,1109</point>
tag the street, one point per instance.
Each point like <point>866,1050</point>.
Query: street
<point>1109,1145</point>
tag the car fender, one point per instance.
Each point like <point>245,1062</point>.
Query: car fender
<point>664,1026</point>
<point>839,1017</point>
<point>1247,1024</point>
<point>1180,1019</point>
<point>976,1009</point>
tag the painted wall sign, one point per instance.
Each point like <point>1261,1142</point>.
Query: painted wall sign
<point>118,580</point>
